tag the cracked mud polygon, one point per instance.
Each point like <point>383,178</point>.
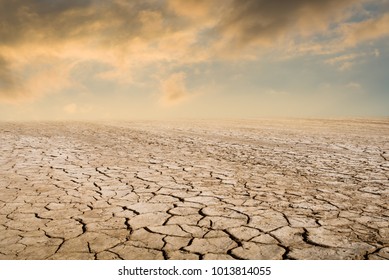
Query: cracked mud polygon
<point>263,189</point>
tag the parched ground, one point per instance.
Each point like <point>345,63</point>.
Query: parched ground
<point>285,189</point>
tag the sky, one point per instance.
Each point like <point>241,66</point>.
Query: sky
<point>180,59</point>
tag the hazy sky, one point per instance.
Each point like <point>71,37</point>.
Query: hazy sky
<point>152,59</point>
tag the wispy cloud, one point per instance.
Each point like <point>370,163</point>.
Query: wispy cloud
<point>368,30</point>
<point>269,22</point>
<point>346,61</point>
<point>8,80</point>
<point>343,62</point>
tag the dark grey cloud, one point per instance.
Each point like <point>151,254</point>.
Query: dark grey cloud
<point>67,19</point>
<point>24,20</point>
<point>246,21</point>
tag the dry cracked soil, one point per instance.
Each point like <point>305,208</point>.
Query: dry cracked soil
<point>263,189</point>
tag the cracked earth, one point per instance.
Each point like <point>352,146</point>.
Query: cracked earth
<point>301,189</point>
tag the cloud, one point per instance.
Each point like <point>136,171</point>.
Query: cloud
<point>299,27</point>
<point>173,89</point>
<point>192,8</point>
<point>42,20</point>
<point>202,13</point>
<point>126,36</point>
<point>367,30</point>
<point>276,93</point>
<point>8,81</point>
<point>267,22</point>
<point>342,58</point>
<point>354,86</point>
<point>346,61</point>
<point>42,41</point>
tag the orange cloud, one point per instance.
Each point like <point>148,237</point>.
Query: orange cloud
<point>27,76</point>
<point>173,89</point>
<point>196,9</point>
<point>267,22</point>
<point>367,30</point>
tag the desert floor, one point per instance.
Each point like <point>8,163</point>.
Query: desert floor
<point>264,189</point>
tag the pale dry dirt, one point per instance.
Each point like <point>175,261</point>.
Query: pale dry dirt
<point>285,189</point>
